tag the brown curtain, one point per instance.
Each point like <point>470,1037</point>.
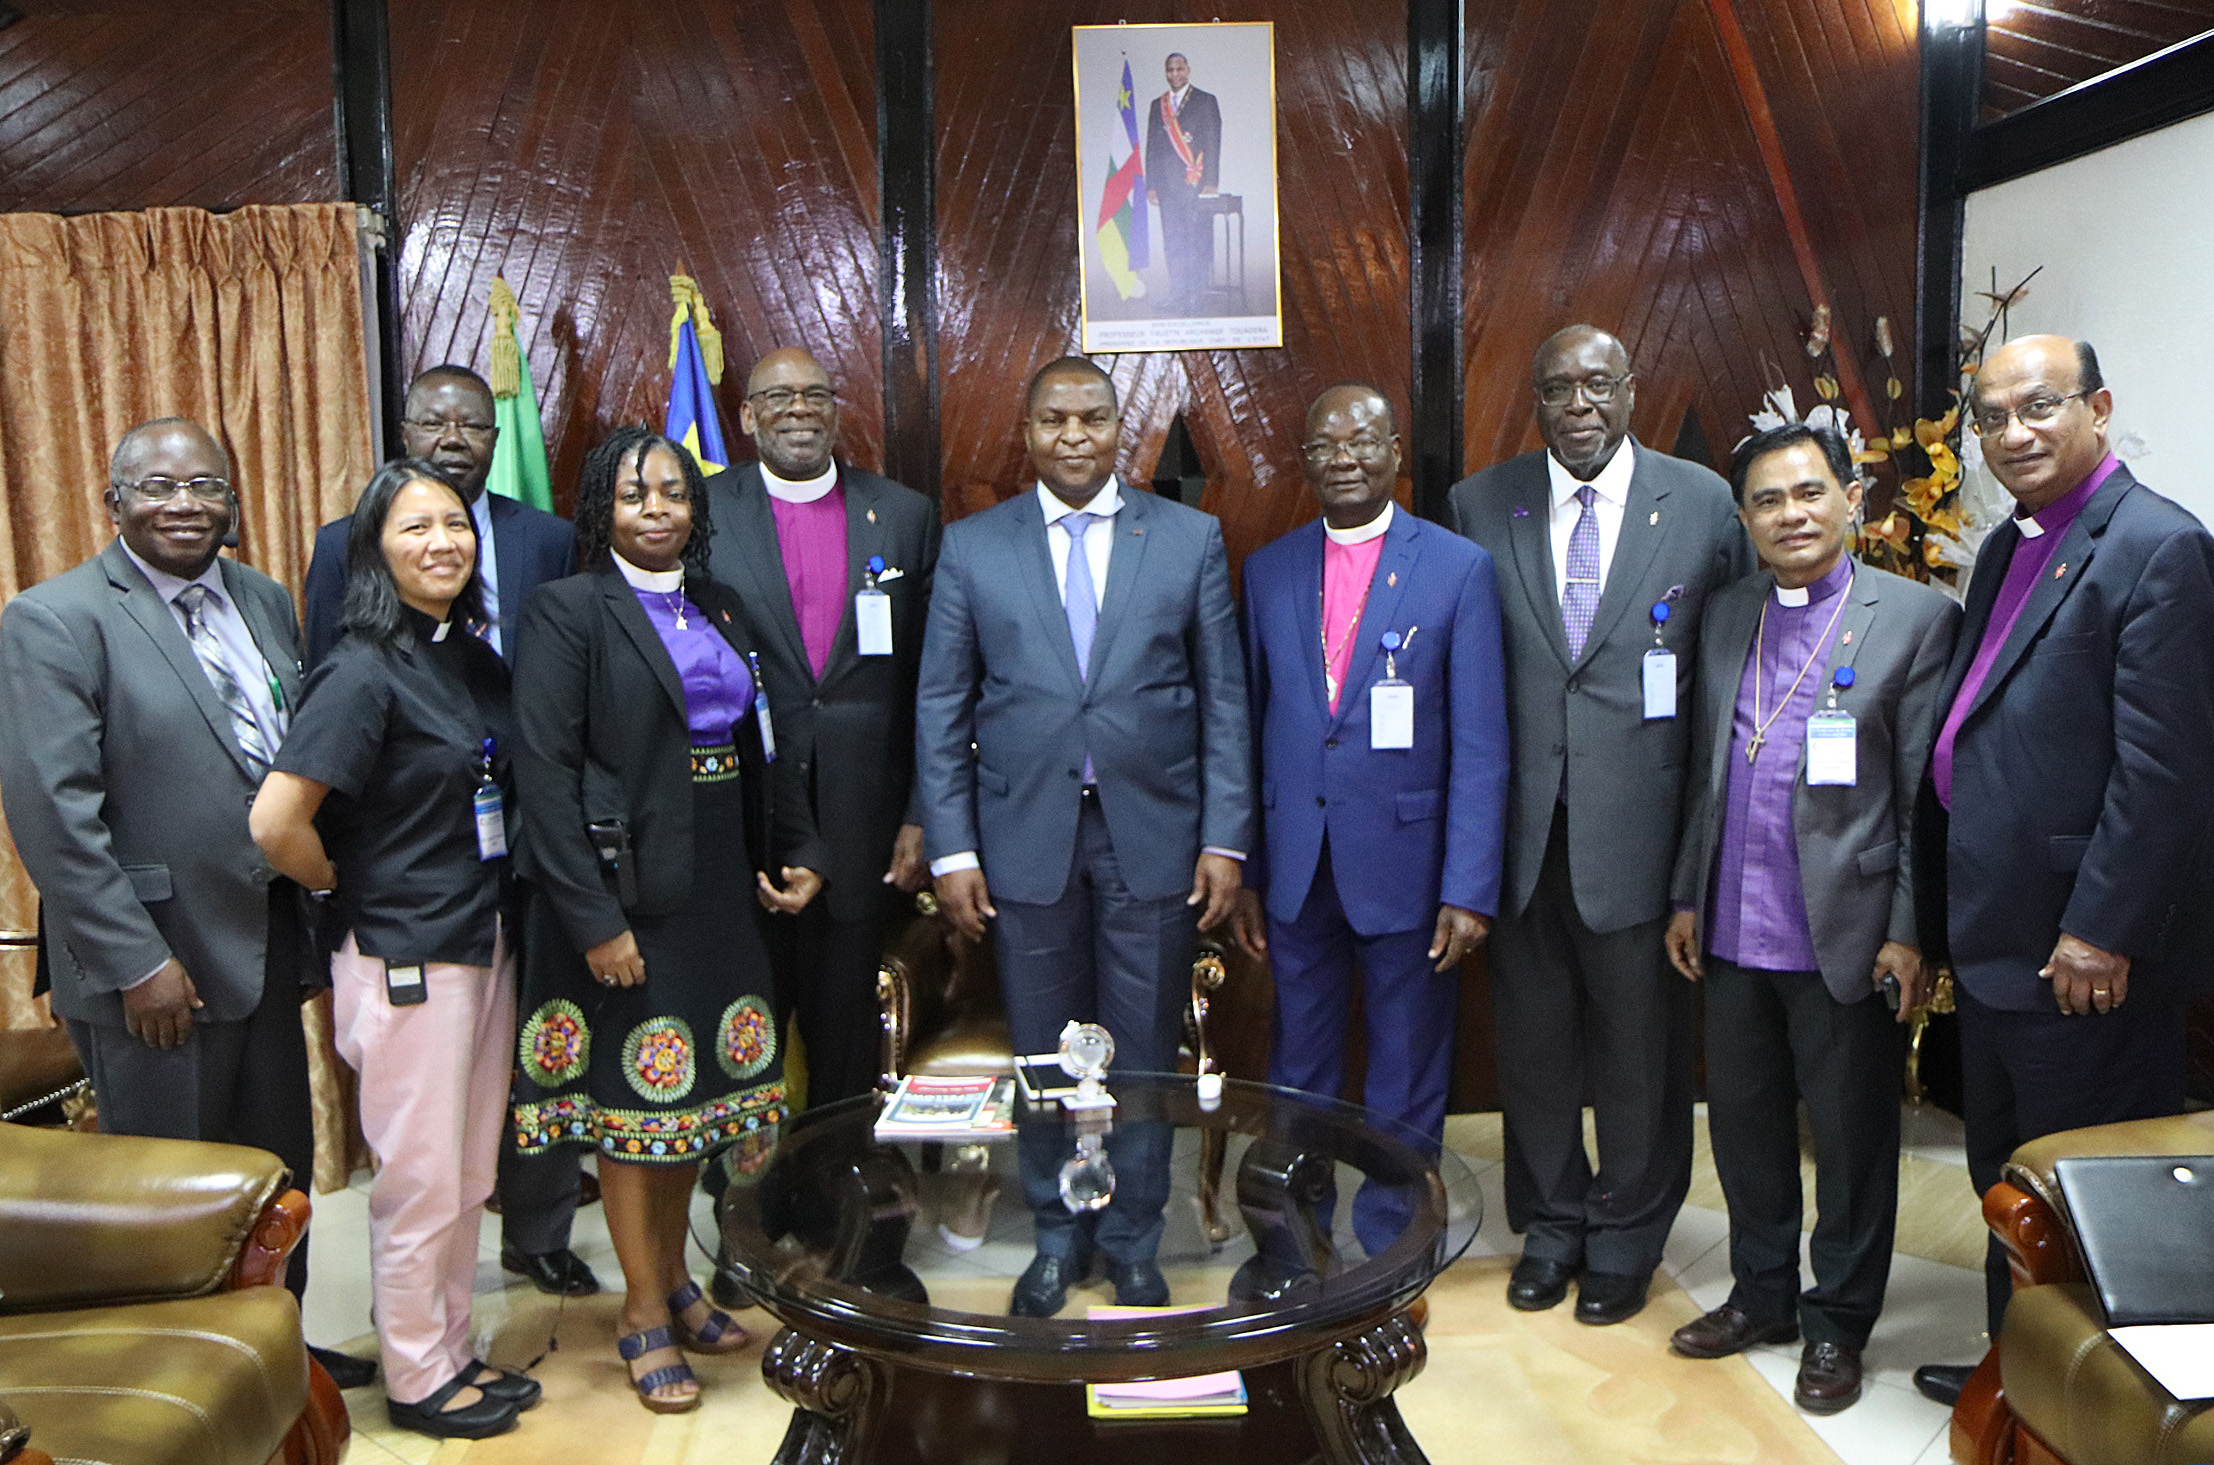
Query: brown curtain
<point>249,323</point>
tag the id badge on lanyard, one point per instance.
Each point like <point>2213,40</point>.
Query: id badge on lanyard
<point>490,810</point>
<point>1833,755</point>
<point>761,708</point>
<point>1659,670</point>
<point>1391,701</point>
<point>872,614</point>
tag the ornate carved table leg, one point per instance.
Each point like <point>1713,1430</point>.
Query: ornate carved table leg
<point>839,1398</point>
<point>1347,1388</point>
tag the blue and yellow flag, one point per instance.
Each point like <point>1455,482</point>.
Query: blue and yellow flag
<point>1122,231</point>
<point>519,467</point>
<point>695,366</point>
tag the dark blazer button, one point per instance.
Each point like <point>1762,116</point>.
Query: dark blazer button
<point>1073,773</point>
<point>1321,802</point>
<point>1329,742</point>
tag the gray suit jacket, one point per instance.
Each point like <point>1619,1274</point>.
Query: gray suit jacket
<point>125,788</point>
<point>1003,718</point>
<point>1680,538</point>
<point>1856,864</point>
<point>853,732</point>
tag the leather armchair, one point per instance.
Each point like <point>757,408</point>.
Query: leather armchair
<point>942,1015</point>
<point>2055,1389</point>
<point>142,1320</point>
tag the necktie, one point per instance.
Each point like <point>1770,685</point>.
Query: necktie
<point>193,600</point>
<point>1580,596</point>
<point>1078,599</point>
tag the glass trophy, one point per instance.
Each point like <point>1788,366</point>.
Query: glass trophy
<point>1088,1177</point>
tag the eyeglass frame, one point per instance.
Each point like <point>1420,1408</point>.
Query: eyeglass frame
<point>794,396</point>
<point>441,425</point>
<point>1360,452</point>
<point>1589,386</point>
<point>2051,406</point>
<point>137,490</point>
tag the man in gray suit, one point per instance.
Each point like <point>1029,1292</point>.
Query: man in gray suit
<point>1085,762</point>
<point>1607,552</point>
<point>1794,892</point>
<point>148,689</point>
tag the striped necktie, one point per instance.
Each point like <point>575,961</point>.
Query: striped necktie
<point>1580,596</point>
<point>193,601</point>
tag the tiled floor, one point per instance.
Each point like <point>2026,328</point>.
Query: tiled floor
<point>1588,1394</point>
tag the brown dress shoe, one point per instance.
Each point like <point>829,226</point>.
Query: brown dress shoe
<point>1829,1378</point>
<point>1727,1330</point>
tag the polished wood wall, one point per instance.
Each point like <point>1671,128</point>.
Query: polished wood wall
<point>587,151</point>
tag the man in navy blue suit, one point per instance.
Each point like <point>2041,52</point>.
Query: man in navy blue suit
<point>448,422</point>
<point>1376,680</point>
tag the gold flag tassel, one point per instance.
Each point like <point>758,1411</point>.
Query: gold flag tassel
<point>684,293</point>
<point>507,356</point>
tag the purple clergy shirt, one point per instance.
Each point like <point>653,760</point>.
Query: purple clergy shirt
<point>811,538</point>
<point>718,690</point>
<point>1759,906</point>
<point>2031,556</point>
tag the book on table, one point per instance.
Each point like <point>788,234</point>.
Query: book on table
<point>1200,1396</point>
<point>927,1106</point>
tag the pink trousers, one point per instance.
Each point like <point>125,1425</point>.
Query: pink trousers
<point>434,1084</point>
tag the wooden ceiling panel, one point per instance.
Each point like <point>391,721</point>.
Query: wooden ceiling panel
<point>2035,48</point>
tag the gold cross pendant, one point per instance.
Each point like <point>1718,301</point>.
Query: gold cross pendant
<point>1752,749</point>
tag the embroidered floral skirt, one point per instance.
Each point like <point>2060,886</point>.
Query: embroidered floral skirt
<point>683,1065</point>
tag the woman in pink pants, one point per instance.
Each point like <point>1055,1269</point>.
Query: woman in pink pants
<point>388,800</point>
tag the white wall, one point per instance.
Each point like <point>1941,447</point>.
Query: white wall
<point>2126,236</point>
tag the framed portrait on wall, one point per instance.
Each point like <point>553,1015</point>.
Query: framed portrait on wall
<point>1176,186</point>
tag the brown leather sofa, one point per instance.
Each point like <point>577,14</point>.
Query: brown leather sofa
<point>2055,1389</point>
<point>141,1317</point>
<point>942,1015</point>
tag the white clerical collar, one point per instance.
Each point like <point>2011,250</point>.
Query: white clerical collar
<point>661,582</point>
<point>169,587</point>
<point>1106,503</point>
<point>2029,526</point>
<point>1612,482</point>
<point>805,492</point>
<point>1373,529</point>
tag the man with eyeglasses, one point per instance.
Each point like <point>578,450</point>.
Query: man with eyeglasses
<point>447,420</point>
<point>2071,787</point>
<point>832,564</point>
<point>147,691</point>
<point>1383,780</point>
<point>1607,552</point>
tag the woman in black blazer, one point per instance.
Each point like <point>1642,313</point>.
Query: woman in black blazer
<point>652,804</point>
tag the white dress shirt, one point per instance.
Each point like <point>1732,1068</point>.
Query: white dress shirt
<point>488,568</point>
<point>805,492</point>
<point>1608,503</point>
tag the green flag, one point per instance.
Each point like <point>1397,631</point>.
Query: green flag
<point>519,460</point>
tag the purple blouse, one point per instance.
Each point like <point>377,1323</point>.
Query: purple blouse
<point>718,690</point>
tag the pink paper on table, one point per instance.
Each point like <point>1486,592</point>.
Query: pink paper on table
<point>1198,1386</point>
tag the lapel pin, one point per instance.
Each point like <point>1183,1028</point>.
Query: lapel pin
<point>872,516</point>
<point>1847,638</point>
<point>1136,530</point>
<point>2061,571</point>
<point>1654,518</point>
<point>1520,512</point>
<point>1392,579</point>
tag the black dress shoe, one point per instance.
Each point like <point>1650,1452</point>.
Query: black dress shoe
<point>1138,1284</point>
<point>1942,1382</point>
<point>519,1389</point>
<point>1044,1285</point>
<point>1829,1378</point>
<point>487,1416</point>
<point>556,1273</point>
<point>346,1371</point>
<point>1536,1284</point>
<point>1610,1297</point>
<point>1727,1330</point>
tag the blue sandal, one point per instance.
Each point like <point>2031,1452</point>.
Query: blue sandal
<point>634,1346</point>
<point>711,1336</point>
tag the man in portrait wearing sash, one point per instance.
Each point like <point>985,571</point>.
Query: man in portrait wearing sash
<point>1183,164</point>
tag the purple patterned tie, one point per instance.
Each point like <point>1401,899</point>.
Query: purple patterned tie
<point>1080,602</point>
<point>1580,596</point>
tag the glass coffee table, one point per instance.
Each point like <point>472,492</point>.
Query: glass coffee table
<point>890,1266</point>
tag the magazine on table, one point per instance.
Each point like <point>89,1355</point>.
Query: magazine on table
<point>927,1106</point>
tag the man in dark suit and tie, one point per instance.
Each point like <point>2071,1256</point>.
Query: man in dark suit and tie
<point>832,566</point>
<point>1794,891</point>
<point>2072,783</point>
<point>147,690</point>
<point>448,421</point>
<point>1183,164</point>
<point>1607,552</point>
<point>1084,756</point>
<point>1374,668</point>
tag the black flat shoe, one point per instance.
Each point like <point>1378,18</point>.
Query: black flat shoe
<point>1044,1285</point>
<point>1138,1284</point>
<point>346,1371</point>
<point>556,1273</point>
<point>487,1417</point>
<point>1942,1382</point>
<point>519,1389</point>
<point>1537,1284</point>
<point>1610,1297</point>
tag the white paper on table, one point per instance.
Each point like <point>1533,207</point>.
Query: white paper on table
<point>2179,1356</point>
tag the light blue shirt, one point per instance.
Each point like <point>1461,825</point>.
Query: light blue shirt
<point>488,568</point>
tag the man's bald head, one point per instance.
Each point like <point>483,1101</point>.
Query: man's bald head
<point>1585,391</point>
<point>1570,342</point>
<point>169,496</point>
<point>791,413</point>
<point>2042,410</point>
<point>1070,369</point>
<point>1342,395</point>
<point>162,434</point>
